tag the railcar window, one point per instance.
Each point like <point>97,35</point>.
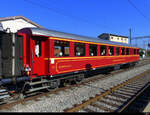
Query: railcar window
<point>92,50</point>
<point>127,51</point>
<point>111,50</point>
<point>37,48</point>
<point>62,48</point>
<point>134,51</point>
<point>103,50</point>
<point>117,51</point>
<point>138,51</point>
<point>79,49</point>
<point>122,51</point>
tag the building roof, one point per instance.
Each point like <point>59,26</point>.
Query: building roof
<point>19,17</point>
<point>53,33</point>
<point>112,35</point>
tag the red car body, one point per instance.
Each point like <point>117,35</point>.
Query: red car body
<point>49,65</point>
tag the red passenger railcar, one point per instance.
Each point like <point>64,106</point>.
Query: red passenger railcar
<point>49,58</point>
<point>54,54</point>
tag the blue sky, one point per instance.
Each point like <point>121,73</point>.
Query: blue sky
<point>84,17</point>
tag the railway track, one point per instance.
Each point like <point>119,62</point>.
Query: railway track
<point>117,98</point>
<point>141,103</point>
<point>95,78</point>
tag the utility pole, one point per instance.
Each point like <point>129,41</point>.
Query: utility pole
<point>130,35</point>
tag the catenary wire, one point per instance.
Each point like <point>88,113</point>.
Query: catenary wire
<point>139,10</point>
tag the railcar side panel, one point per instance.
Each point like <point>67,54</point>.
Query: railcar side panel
<point>47,64</point>
<point>71,64</point>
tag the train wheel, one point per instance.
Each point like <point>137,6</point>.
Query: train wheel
<point>79,78</point>
<point>62,83</point>
<point>53,84</point>
<point>16,96</point>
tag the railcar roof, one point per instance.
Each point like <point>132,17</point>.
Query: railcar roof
<point>46,32</point>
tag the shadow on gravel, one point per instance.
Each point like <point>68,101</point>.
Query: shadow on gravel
<point>97,88</point>
<point>90,72</point>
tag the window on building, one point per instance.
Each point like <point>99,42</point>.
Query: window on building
<point>103,50</point>
<point>122,51</point>
<point>79,49</point>
<point>92,50</point>
<point>127,51</point>
<point>134,51</point>
<point>62,48</point>
<point>117,51</point>
<point>111,50</point>
<point>38,50</point>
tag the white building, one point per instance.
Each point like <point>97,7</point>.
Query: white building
<point>115,38</point>
<point>15,23</point>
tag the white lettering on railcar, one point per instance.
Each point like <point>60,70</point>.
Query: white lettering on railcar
<point>52,61</point>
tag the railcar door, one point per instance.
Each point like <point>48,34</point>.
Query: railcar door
<point>38,55</point>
